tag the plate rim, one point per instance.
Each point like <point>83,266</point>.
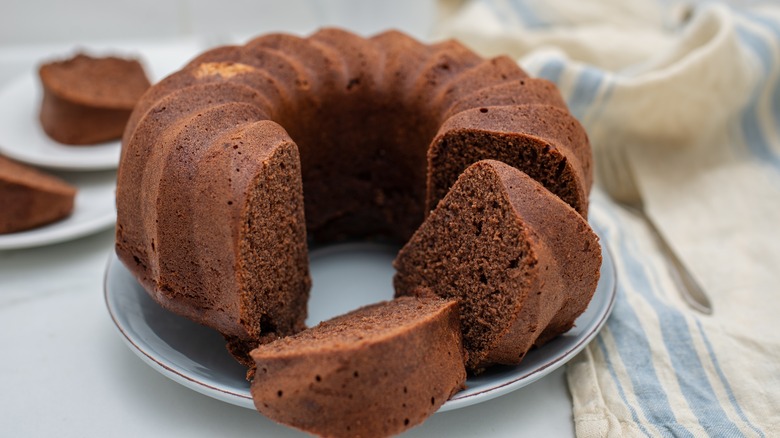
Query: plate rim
<point>40,236</point>
<point>245,401</point>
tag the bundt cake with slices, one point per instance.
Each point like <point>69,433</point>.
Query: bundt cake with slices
<point>88,100</point>
<point>218,158</point>
<point>31,198</point>
<point>373,372</point>
<point>522,263</point>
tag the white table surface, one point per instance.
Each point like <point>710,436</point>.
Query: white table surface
<point>64,370</point>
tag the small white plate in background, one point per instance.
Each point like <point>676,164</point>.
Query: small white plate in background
<point>21,135</point>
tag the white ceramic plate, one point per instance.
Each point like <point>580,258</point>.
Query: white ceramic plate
<point>195,356</point>
<point>23,139</point>
<point>93,211</point>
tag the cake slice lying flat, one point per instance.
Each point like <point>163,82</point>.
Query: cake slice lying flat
<point>375,371</point>
<point>30,198</point>
<point>523,263</point>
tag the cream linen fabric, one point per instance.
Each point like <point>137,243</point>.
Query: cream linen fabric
<point>682,106</point>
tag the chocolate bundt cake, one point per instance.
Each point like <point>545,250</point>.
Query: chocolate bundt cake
<point>522,263</point>
<point>31,198</point>
<point>373,372</point>
<point>218,158</point>
<point>87,100</point>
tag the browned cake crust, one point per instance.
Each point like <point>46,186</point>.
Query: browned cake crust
<point>362,114</point>
<point>522,263</point>
<point>88,100</point>
<point>30,198</point>
<point>373,372</point>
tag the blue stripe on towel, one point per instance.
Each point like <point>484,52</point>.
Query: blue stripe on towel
<point>494,8</point>
<point>769,59</point>
<point>724,381</point>
<point>677,339</point>
<point>635,353</point>
<point>774,27</point>
<point>619,386</point>
<point>585,90</point>
<point>552,70</point>
<point>527,14</point>
<point>755,138</point>
<point>634,350</point>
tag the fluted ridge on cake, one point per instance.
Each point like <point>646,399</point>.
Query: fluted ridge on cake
<point>175,206</point>
<point>324,64</point>
<point>517,92</point>
<point>361,58</point>
<point>265,85</point>
<point>224,174</point>
<point>140,173</point>
<point>490,72</point>
<point>402,56</point>
<point>446,62</point>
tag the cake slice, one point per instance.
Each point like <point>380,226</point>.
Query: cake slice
<point>543,141</point>
<point>30,198</point>
<point>375,371</point>
<point>88,100</point>
<point>323,63</point>
<point>522,263</point>
<point>403,56</point>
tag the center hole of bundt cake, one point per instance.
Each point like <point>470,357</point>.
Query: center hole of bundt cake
<point>347,276</point>
<point>363,164</point>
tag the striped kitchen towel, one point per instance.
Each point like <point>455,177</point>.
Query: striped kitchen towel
<point>682,105</point>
